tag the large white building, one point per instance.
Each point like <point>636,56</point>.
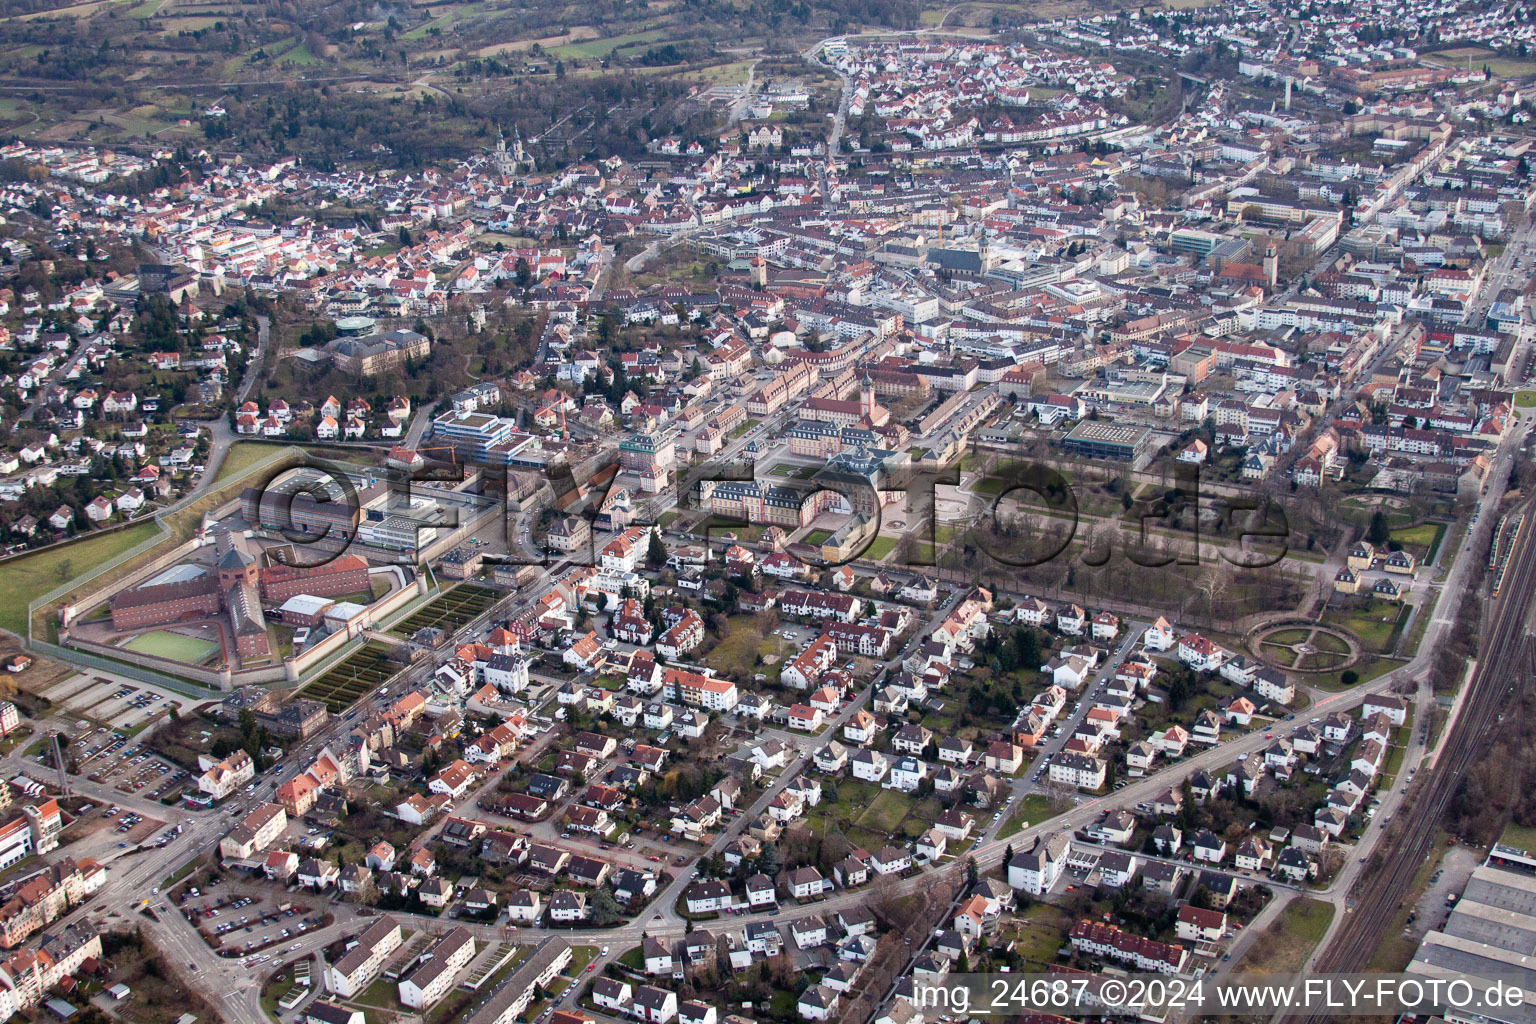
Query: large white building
<point>1036,870</point>
<point>357,968</point>
<point>435,975</point>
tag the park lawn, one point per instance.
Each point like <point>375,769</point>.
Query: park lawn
<point>1283,655</point>
<point>880,547</point>
<point>1332,682</point>
<point>381,994</point>
<point>1285,945</point>
<point>1329,642</point>
<point>1392,765</point>
<point>991,485</point>
<point>817,537</point>
<point>1014,825</point>
<point>1369,625</point>
<point>31,576</point>
<point>1525,399</point>
<point>886,811</point>
<point>1421,539</point>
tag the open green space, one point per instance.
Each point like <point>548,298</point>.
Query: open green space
<point>31,576</point>
<point>161,643</point>
<point>817,537</point>
<point>886,812</point>
<point>741,646</point>
<point>1039,933</point>
<point>1365,671</point>
<point>1373,624</point>
<point>1520,837</point>
<point>1284,946</point>
<point>880,547</point>
<point>1503,67</point>
<point>1036,808</point>
<point>242,455</point>
<point>603,47</point>
<point>1422,540</point>
<point>1329,642</point>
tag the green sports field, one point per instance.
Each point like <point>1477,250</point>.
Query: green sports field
<point>162,644</point>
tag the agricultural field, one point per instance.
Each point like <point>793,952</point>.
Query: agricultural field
<point>341,687</point>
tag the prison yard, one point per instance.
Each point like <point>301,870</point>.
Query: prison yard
<point>341,687</point>
<point>450,611</point>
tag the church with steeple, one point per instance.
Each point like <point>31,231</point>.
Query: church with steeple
<point>509,161</point>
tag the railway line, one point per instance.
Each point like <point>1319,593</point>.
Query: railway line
<point>1504,656</point>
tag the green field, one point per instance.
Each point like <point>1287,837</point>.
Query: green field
<point>161,643</point>
<point>1503,67</point>
<point>1525,399</point>
<point>880,547</point>
<point>1373,626</point>
<point>1039,932</point>
<point>1285,945</point>
<point>886,812</point>
<point>1422,540</point>
<point>817,537</point>
<point>242,455</point>
<point>1521,837</point>
<point>603,47</point>
<point>31,576</point>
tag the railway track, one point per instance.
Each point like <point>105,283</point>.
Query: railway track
<point>1380,900</point>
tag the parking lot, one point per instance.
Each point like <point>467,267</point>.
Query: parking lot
<point>115,826</point>
<point>241,925</point>
<point>113,701</point>
<point>109,758</point>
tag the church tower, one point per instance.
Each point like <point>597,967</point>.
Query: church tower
<point>499,156</point>
<point>867,398</point>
